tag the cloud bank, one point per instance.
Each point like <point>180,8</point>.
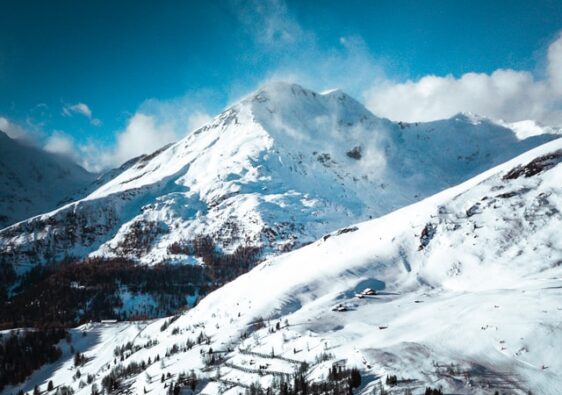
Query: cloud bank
<point>505,94</point>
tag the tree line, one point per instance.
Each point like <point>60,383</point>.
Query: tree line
<point>22,352</point>
<point>75,292</point>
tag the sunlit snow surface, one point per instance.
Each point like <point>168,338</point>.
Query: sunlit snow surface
<point>478,308</point>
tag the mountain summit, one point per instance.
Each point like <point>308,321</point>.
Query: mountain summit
<point>277,170</point>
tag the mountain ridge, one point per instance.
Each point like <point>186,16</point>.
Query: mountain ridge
<point>277,170</point>
<point>33,181</point>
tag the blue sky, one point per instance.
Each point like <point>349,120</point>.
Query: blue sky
<point>87,78</point>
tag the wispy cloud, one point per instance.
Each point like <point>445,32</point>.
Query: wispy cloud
<point>83,109</point>
<point>78,108</point>
<point>345,63</point>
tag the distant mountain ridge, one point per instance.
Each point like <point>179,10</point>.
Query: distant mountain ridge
<point>33,181</point>
<point>275,171</point>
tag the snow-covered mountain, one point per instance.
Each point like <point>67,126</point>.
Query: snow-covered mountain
<point>467,296</point>
<point>277,170</point>
<point>33,181</point>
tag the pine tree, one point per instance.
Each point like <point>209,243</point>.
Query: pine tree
<point>355,378</point>
<point>77,359</point>
<point>193,380</point>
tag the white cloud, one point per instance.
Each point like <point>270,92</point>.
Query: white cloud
<point>61,143</point>
<point>78,108</point>
<point>142,135</point>
<point>154,125</point>
<point>554,58</point>
<point>13,130</point>
<point>96,122</point>
<point>57,142</point>
<point>81,109</point>
<point>505,94</point>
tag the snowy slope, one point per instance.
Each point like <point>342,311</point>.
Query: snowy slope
<point>469,298</point>
<point>277,170</point>
<point>33,181</point>
<point>528,128</point>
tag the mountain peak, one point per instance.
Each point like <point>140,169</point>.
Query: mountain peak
<point>290,108</point>
<point>470,117</point>
<point>279,91</point>
<point>282,93</point>
<point>282,87</point>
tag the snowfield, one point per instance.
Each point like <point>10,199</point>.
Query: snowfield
<point>468,298</point>
<point>276,171</point>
